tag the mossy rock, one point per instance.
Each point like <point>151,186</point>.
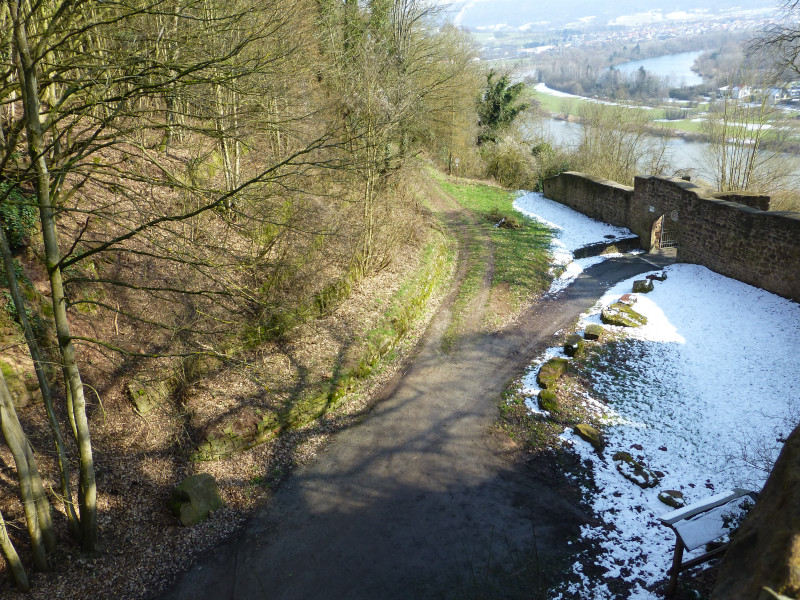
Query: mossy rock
<point>550,372</point>
<point>643,286</point>
<point>194,499</point>
<point>589,434</point>
<point>548,400</point>
<point>634,471</point>
<point>672,498</point>
<point>593,332</point>
<point>147,395</point>
<point>622,315</point>
<point>573,345</point>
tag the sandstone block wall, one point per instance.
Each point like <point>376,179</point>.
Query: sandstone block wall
<point>598,198</point>
<point>725,232</point>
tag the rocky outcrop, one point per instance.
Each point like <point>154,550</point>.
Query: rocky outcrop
<point>765,552</point>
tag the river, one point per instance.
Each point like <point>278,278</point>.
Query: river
<point>682,156</point>
<point>677,67</point>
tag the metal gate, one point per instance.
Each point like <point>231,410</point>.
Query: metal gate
<point>669,231</point>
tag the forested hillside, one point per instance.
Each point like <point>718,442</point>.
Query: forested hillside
<point>188,189</point>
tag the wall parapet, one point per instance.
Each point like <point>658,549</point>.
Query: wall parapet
<point>730,233</point>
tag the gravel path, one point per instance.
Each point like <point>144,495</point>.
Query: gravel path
<point>424,498</point>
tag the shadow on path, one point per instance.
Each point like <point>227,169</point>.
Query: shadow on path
<point>421,499</point>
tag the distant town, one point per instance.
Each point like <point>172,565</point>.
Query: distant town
<point>502,43</point>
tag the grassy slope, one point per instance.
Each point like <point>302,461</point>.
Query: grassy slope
<point>520,256</point>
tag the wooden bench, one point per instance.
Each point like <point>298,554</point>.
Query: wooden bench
<point>698,524</point>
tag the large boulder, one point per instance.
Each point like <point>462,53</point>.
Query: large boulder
<point>194,498</point>
<point>765,551</point>
<point>622,315</point>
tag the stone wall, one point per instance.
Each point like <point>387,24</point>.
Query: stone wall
<point>598,198</point>
<point>729,233</point>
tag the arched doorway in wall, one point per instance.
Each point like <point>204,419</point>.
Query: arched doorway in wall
<point>664,233</point>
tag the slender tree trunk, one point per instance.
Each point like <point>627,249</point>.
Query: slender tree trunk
<point>87,497</point>
<point>17,443</point>
<point>18,575</point>
<point>44,385</point>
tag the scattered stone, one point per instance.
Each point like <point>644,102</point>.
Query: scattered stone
<point>634,471</point>
<point>672,498</point>
<point>629,299</point>
<point>550,372</point>
<point>194,499</point>
<point>622,315</point>
<point>548,400</point>
<point>593,332</point>
<point>589,434</point>
<point>643,286</point>
<point>574,345</point>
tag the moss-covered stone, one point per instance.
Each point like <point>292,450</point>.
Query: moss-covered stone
<point>643,286</point>
<point>634,471</point>
<point>548,400</point>
<point>574,344</point>
<point>194,499</point>
<point>550,372</point>
<point>147,395</point>
<point>589,434</point>
<point>593,332</point>
<point>622,315</point>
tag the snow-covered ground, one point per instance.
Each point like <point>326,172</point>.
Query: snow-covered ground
<point>572,230</point>
<point>707,387</point>
<point>542,88</point>
<point>710,388</point>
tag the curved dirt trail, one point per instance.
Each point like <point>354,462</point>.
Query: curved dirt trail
<point>422,499</point>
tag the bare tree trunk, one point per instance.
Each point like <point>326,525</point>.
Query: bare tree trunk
<point>18,575</point>
<point>87,496</point>
<point>26,471</point>
<point>44,386</point>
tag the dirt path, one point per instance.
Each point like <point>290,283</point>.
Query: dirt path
<point>421,500</point>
